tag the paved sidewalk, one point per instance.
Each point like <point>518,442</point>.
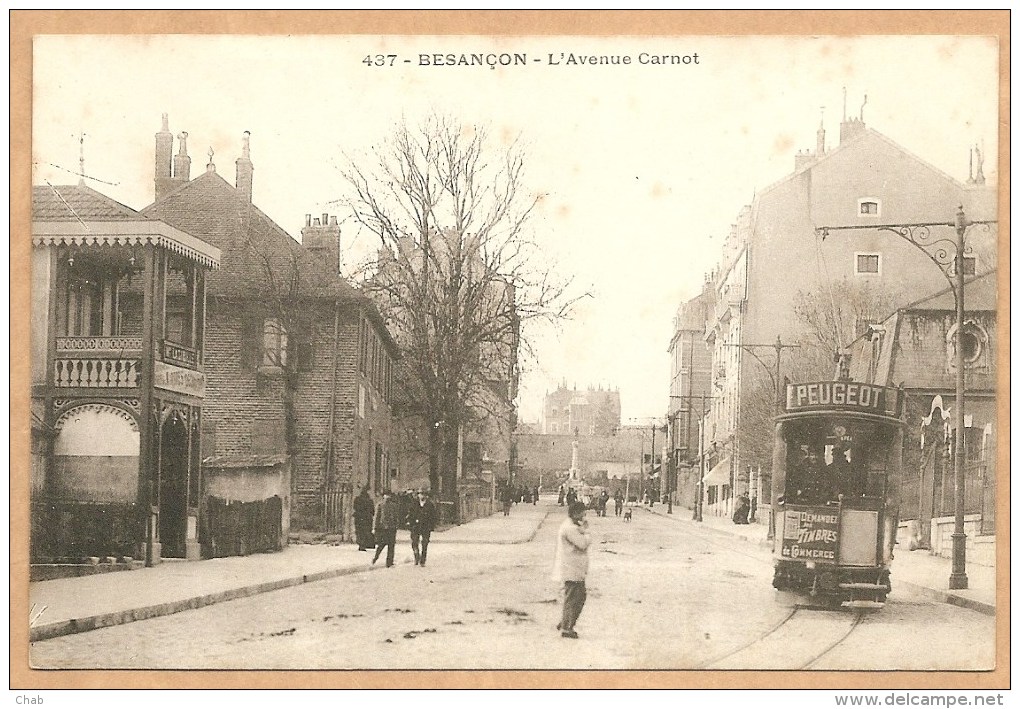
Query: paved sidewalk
<point>73,605</point>
<point>920,570</point>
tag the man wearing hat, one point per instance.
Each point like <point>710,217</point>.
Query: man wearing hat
<point>421,520</point>
<point>572,544</point>
<point>387,519</point>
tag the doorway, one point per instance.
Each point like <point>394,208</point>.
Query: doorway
<point>173,486</point>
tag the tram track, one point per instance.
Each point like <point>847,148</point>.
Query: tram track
<point>794,643</point>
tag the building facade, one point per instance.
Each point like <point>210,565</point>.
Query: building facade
<point>299,363</point>
<point>776,259</point>
<point>118,380</point>
<point>583,412</point>
<point>690,395</point>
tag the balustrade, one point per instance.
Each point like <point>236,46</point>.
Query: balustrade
<point>87,346</point>
<point>96,373</point>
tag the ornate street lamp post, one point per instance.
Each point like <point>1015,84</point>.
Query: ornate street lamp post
<point>949,256</point>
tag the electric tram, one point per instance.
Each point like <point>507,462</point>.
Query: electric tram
<point>837,467</point>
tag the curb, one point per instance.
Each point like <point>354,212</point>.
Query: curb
<point>949,598</point>
<point>105,620</point>
<point>929,593</point>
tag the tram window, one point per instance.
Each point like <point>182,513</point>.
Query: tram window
<point>829,460</point>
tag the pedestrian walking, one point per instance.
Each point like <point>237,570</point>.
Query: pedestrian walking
<point>560,495</point>
<point>534,495</point>
<point>618,499</point>
<point>421,520</point>
<point>364,509</point>
<point>572,544</point>
<point>507,500</point>
<point>387,519</point>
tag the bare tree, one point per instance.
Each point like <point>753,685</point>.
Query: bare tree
<point>832,317</point>
<point>456,275</point>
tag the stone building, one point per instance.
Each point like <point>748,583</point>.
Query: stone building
<point>915,348</point>
<point>689,393</point>
<point>584,412</point>
<point>299,363</point>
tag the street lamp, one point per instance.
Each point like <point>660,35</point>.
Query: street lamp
<point>949,257</point>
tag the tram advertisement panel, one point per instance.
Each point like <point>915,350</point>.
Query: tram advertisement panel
<point>810,534</point>
<point>846,396</point>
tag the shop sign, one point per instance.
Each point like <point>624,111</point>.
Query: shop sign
<point>178,379</point>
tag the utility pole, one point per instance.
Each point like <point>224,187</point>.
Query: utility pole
<point>700,487</point>
<point>671,471</point>
<point>775,376</point>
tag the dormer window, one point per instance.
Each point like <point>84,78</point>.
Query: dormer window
<point>869,207</point>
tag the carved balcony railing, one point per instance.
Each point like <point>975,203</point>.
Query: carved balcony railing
<point>180,355</point>
<point>97,373</point>
<point>99,346</point>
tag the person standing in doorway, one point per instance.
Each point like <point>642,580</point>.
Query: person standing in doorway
<point>421,520</point>
<point>572,544</point>
<point>387,519</point>
<point>364,508</point>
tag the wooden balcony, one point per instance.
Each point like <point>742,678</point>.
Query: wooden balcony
<point>100,362</point>
<point>95,373</point>
<point>99,346</point>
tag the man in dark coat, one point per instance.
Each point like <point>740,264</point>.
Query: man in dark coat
<point>387,519</point>
<point>507,498</point>
<point>421,520</point>
<point>364,508</point>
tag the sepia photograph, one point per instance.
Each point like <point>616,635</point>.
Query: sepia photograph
<point>421,350</point>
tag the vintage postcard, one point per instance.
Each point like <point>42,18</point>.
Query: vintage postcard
<point>639,349</point>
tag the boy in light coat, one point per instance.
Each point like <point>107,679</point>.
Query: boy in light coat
<point>572,544</point>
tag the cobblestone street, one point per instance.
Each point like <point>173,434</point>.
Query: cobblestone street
<point>663,594</point>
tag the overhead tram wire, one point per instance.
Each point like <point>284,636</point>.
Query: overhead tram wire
<point>836,325</point>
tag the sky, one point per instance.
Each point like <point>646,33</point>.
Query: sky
<point>641,167</point>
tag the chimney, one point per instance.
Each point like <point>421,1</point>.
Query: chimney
<point>322,239</point>
<point>182,162</point>
<point>163,158</point>
<point>802,159</point>
<point>244,169</point>
<point>854,126</point>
